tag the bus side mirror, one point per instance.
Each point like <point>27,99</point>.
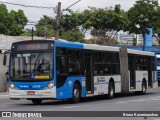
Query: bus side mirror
<point>4,59</point>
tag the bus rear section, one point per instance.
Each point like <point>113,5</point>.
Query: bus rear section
<point>142,71</point>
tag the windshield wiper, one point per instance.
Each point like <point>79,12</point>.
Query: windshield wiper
<point>36,60</point>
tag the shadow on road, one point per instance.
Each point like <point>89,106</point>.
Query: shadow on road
<point>85,100</point>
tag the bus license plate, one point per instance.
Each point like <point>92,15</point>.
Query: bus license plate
<point>30,92</point>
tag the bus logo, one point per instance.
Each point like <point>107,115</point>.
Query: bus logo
<point>32,75</point>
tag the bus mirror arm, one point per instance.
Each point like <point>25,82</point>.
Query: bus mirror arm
<point>4,59</point>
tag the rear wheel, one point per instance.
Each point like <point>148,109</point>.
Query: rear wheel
<point>111,90</point>
<point>76,94</point>
<point>37,101</point>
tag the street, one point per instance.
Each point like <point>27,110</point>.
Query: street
<point>131,102</point>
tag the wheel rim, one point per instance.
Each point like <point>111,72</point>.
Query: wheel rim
<point>76,93</point>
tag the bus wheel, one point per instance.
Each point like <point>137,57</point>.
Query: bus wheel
<point>76,94</point>
<point>37,101</point>
<point>111,91</point>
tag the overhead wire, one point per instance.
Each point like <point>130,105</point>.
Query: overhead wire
<point>70,6</point>
<point>22,5</point>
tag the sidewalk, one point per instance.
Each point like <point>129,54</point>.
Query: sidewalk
<point>2,94</point>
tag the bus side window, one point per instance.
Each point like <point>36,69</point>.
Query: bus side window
<point>61,61</point>
<point>97,60</point>
<point>107,63</point>
<point>74,62</point>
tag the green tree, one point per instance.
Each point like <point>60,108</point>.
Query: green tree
<point>46,27</point>
<point>144,14</point>
<point>110,21</point>
<point>76,20</point>
<point>3,17</point>
<point>86,20</point>
<point>12,23</point>
<point>73,35</point>
<point>71,20</point>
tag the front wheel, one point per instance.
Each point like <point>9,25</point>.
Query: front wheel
<point>76,94</point>
<point>37,101</point>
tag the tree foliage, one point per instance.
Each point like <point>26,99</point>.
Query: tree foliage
<point>80,21</point>
<point>144,14</point>
<point>73,35</point>
<point>104,23</point>
<point>107,22</point>
<point>46,27</point>
<point>12,23</point>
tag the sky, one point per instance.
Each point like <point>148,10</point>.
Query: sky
<point>34,14</point>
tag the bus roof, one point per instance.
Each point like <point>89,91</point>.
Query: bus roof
<point>100,47</point>
<point>26,41</point>
<point>64,43</point>
<point>139,52</point>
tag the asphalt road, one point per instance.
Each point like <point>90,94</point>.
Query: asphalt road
<point>131,102</point>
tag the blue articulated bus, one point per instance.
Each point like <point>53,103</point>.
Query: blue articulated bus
<point>45,69</point>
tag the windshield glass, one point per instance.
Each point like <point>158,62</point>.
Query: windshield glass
<point>32,66</point>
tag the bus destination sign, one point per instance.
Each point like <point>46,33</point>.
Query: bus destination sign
<point>33,46</point>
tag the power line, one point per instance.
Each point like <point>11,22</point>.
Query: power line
<point>70,6</point>
<point>22,5</point>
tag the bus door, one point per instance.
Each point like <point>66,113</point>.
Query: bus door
<point>88,72</point>
<point>150,61</point>
<point>132,71</point>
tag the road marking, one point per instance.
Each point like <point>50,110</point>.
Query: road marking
<point>77,106</point>
<point>10,103</point>
<point>122,102</point>
<point>155,99</point>
<point>73,107</point>
<point>3,96</point>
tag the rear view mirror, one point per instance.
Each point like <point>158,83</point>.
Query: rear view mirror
<point>4,59</point>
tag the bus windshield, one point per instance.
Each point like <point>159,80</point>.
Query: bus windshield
<point>32,66</point>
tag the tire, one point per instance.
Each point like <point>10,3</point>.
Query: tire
<point>76,93</point>
<point>37,101</point>
<point>111,90</point>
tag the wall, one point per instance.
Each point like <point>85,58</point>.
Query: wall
<point>3,69</point>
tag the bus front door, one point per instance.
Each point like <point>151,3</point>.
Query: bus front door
<point>132,71</point>
<point>150,72</point>
<point>89,73</point>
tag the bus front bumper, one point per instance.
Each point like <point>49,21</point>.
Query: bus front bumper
<point>41,94</point>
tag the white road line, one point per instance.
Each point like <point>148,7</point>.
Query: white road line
<point>121,102</point>
<point>73,107</point>
<point>155,99</point>
<point>76,106</point>
<point>3,96</point>
<point>10,103</point>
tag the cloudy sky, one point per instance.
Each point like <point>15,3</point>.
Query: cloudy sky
<point>34,14</point>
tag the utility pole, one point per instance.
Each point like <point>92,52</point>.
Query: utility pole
<point>58,21</point>
<point>32,33</point>
<point>144,43</point>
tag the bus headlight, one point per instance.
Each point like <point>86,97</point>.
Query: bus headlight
<point>50,85</point>
<point>11,85</point>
